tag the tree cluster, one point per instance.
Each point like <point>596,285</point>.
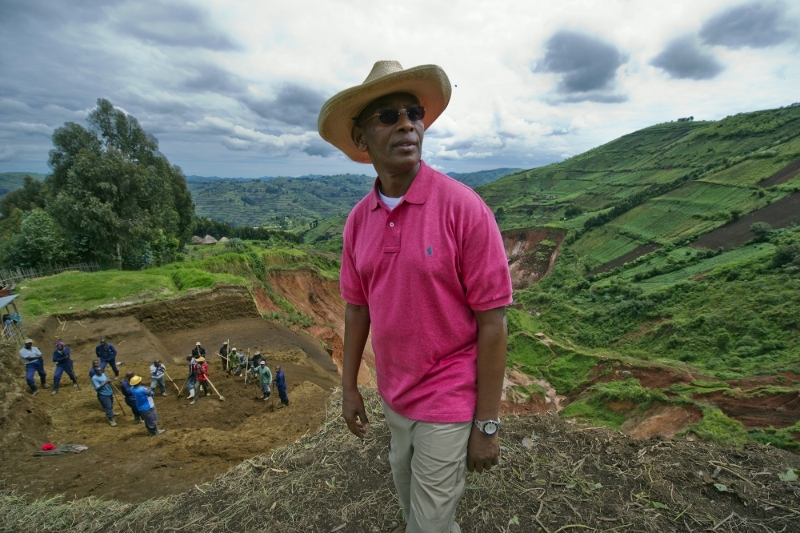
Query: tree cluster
<point>216,228</point>
<point>112,197</point>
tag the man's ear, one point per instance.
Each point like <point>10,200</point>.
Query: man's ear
<point>358,139</point>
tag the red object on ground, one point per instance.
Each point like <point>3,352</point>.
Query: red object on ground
<point>46,447</point>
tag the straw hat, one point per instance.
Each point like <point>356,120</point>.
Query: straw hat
<point>201,359</point>
<point>428,83</point>
<point>135,380</point>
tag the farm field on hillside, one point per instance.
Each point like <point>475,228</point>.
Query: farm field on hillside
<point>604,246</point>
<point>782,213</point>
<point>682,212</point>
<point>764,250</point>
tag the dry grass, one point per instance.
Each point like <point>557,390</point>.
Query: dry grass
<point>554,477</point>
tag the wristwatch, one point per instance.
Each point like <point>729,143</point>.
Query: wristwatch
<point>488,427</point>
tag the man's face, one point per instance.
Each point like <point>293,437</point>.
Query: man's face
<point>393,148</point>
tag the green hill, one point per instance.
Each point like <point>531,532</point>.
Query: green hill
<point>473,179</point>
<point>669,183</point>
<point>292,203</point>
<point>682,249</point>
<point>11,181</point>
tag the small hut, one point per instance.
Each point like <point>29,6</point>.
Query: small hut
<point>208,239</point>
<point>223,240</point>
<point>197,240</point>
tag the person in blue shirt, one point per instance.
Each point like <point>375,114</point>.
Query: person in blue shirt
<point>33,364</point>
<point>130,399</point>
<point>108,356</point>
<point>280,382</point>
<point>63,364</point>
<point>145,405</point>
<point>95,368</point>
<point>102,385</point>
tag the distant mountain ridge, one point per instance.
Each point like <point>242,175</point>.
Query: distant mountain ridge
<point>293,202</point>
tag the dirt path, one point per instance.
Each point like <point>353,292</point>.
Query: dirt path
<point>202,441</point>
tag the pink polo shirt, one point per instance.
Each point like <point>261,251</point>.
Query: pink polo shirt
<point>422,269</point>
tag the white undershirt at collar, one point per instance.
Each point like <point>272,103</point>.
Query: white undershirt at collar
<point>391,203</point>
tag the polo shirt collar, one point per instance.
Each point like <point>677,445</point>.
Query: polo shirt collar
<point>416,194</point>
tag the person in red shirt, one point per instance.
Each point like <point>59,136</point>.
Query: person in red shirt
<point>200,370</point>
<point>423,268</point>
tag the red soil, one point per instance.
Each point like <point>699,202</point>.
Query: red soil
<point>521,247</point>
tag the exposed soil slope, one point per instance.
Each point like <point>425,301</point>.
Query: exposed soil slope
<point>202,440</point>
<point>528,258</point>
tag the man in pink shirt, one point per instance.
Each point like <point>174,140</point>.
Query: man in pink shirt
<point>423,266</point>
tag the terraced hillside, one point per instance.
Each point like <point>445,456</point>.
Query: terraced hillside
<point>682,252</point>
<point>670,183</point>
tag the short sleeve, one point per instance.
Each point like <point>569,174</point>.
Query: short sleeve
<point>349,280</point>
<point>484,267</point>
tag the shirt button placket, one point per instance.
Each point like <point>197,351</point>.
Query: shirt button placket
<point>392,237</point>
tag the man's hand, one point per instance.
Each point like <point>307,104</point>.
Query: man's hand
<point>354,413</point>
<point>483,451</point>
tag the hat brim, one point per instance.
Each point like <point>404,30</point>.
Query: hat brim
<point>428,83</point>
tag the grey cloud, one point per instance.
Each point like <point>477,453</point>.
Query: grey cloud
<point>211,78</point>
<point>466,144</point>
<point>318,147</point>
<point>173,24</point>
<point>587,65</point>
<point>755,24</point>
<point>293,105</point>
<point>46,13</point>
<point>683,58</point>
<point>7,153</point>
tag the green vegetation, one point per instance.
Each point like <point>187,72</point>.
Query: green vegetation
<point>716,427</point>
<point>295,204</point>
<point>594,403</point>
<point>11,181</point>
<point>75,291</point>
<point>780,438</point>
<point>112,197</point>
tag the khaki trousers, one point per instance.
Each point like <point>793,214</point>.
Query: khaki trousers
<point>429,467</point>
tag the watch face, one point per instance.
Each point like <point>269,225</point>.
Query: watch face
<point>490,428</point>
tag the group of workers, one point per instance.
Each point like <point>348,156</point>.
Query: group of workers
<point>235,363</point>
<point>138,397</point>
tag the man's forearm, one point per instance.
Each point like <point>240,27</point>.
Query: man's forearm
<point>492,343</point>
<point>356,331</point>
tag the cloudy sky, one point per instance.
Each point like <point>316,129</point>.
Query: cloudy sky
<point>233,88</point>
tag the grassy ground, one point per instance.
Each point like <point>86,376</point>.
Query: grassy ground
<point>205,267</point>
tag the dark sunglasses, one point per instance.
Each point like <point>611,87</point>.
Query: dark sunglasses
<point>391,116</point>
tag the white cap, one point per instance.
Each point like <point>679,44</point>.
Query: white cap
<point>28,341</point>
<point>197,343</point>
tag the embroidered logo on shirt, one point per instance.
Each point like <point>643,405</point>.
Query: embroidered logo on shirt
<point>429,251</point>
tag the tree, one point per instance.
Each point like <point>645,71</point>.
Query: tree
<point>761,230</point>
<point>114,191</point>
<point>41,241</point>
<point>26,198</point>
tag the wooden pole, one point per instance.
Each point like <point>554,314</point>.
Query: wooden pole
<point>246,367</point>
<point>169,378</point>
<point>182,386</point>
<point>215,390</point>
<point>118,400</point>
